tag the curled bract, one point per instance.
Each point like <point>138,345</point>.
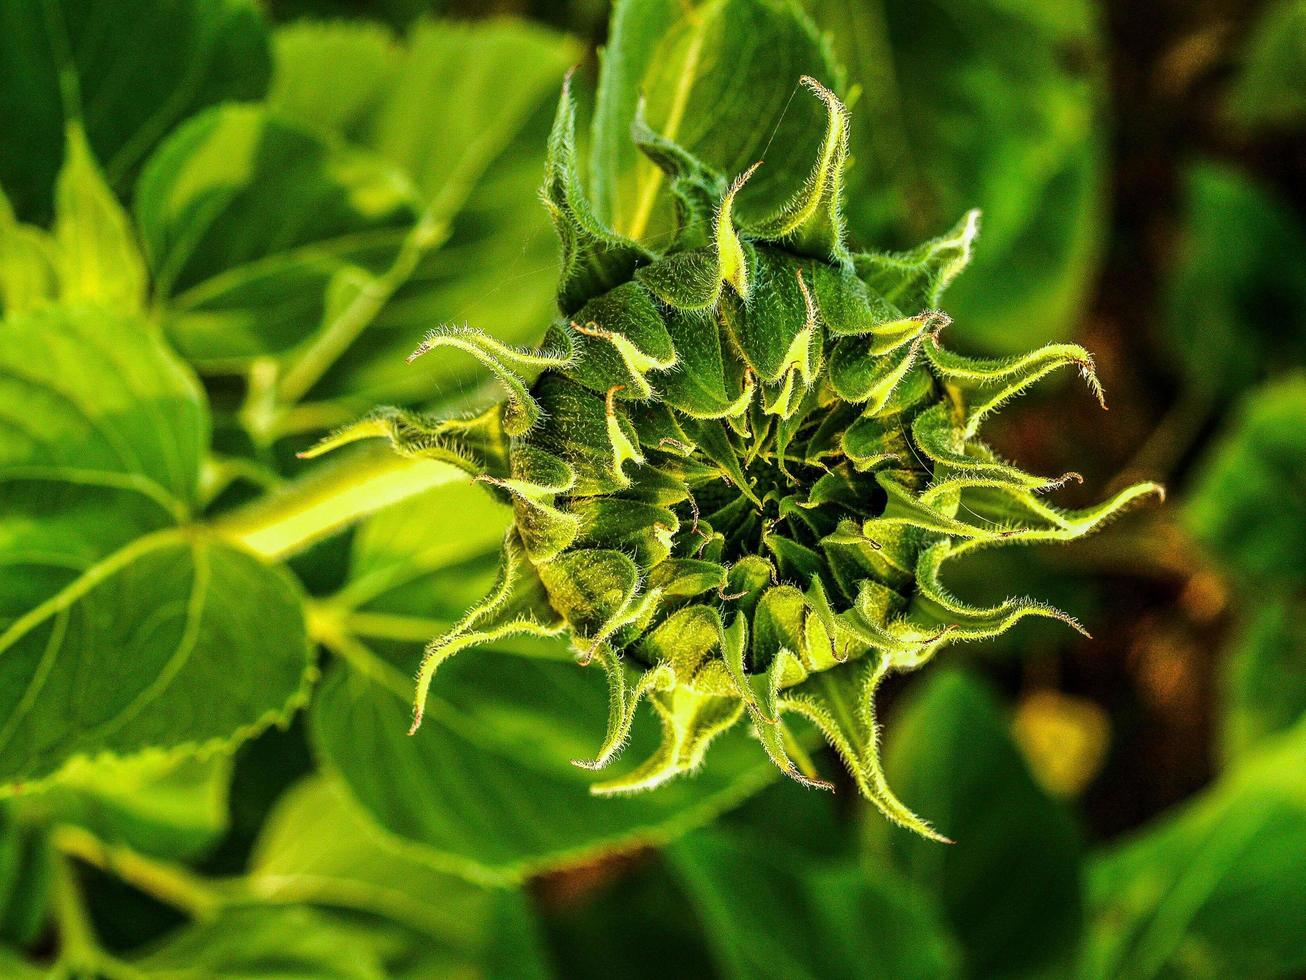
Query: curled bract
<point>738,466</point>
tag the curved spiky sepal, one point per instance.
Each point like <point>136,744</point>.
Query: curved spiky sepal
<point>476,444</point>
<point>594,258</point>
<point>521,412</point>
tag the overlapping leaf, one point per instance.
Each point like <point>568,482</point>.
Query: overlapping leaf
<point>979,103</point>
<point>317,849</point>
<point>1216,885</point>
<point>127,73</point>
<point>485,788</point>
<point>951,756</point>
<point>120,619</point>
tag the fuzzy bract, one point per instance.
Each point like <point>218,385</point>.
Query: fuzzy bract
<point>738,466</point>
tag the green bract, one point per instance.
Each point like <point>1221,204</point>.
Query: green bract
<point>741,466</point>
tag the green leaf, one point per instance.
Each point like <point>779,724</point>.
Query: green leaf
<point>497,270</point>
<point>1264,674</point>
<point>122,628</point>
<point>720,79</point>
<point>25,879</point>
<point>486,788</point>
<point>97,258</point>
<point>27,263</point>
<point>258,943</point>
<point>329,74</point>
<point>115,455</point>
<point>461,110</point>
<point>1248,501</point>
<point>1215,888</point>
<point>256,229</point>
<point>129,71</point>
<point>1271,88</point>
<point>1231,299</point>
<point>398,549</point>
<point>176,641</point>
<point>440,106</point>
<point>318,849</point>
<point>949,753</point>
<point>981,103</point>
<point>771,912</point>
<point>154,804</point>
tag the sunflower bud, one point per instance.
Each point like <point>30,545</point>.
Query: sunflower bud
<point>739,466</point>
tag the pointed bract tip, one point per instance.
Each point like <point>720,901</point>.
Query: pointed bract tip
<point>742,179</point>
<point>820,90</point>
<point>418,714</point>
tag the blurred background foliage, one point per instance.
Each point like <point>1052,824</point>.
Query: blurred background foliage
<point>295,190</point>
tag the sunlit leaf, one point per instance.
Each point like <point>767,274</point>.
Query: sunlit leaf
<point>154,804</point>
<point>256,229</point>
<point>257,943</point>
<point>318,849</point>
<point>98,260</point>
<point>455,109</point>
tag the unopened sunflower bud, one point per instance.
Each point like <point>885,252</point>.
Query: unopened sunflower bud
<point>740,466</point>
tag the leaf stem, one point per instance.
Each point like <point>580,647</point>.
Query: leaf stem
<point>327,346</point>
<point>330,499</point>
<point>79,952</point>
<point>170,883</point>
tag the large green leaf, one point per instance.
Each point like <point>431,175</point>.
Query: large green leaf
<point>1010,885</point>
<point>1214,890</point>
<point>154,804</point>
<point>101,438</point>
<point>1248,501</point>
<point>1271,88</point>
<point>258,943</point>
<point>462,110</point>
<point>498,270</point>
<point>1235,303</point>
<point>775,913</point>
<point>318,849</point>
<point>721,79</point>
<point>486,787</point>
<point>440,107</point>
<point>129,70</point>
<point>987,103</point>
<point>257,230</point>
<point>1265,674</point>
<point>124,627</point>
